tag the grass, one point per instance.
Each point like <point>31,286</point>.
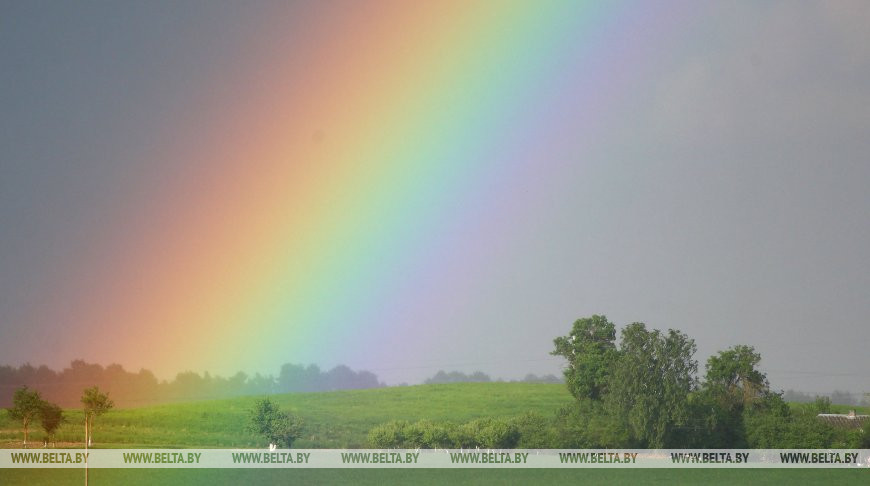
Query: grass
<point>834,408</point>
<point>359,477</point>
<point>338,419</point>
<point>341,420</point>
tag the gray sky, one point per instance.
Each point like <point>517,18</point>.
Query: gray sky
<point>732,203</point>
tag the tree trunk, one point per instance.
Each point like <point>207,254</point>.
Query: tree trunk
<point>25,433</point>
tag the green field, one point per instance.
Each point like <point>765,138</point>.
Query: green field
<point>341,420</point>
<point>436,476</point>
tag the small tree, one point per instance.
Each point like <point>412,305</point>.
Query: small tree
<point>51,416</point>
<point>821,405</point>
<point>95,404</point>
<point>26,404</point>
<point>280,428</point>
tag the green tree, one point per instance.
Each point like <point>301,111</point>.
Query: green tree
<point>279,427</point>
<point>651,383</point>
<point>774,426</point>
<point>732,376</point>
<point>821,405</point>
<point>51,416</point>
<point>712,425</point>
<point>95,403</point>
<point>732,385</point>
<point>588,424</point>
<point>591,351</point>
<point>26,404</point>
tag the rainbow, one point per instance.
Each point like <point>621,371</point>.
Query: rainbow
<point>330,176</point>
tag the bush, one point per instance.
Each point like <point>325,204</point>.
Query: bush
<point>801,430</point>
<point>483,433</point>
<point>431,435</point>
<point>860,438</point>
<point>535,432</point>
<point>588,424</point>
<point>494,433</point>
<point>390,435</point>
<point>280,428</point>
<point>463,437</point>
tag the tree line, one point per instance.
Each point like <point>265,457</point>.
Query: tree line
<point>644,391</point>
<point>837,396</point>
<point>143,388</point>
<point>443,377</point>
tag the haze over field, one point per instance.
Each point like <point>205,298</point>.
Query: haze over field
<point>404,189</point>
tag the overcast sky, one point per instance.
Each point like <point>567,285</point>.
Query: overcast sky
<point>732,203</point>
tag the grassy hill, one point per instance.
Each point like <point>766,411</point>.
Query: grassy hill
<point>342,419</point>
<point>332,419</point>
<point>339,419</point>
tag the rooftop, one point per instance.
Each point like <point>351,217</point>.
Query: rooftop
<point>849,420</point>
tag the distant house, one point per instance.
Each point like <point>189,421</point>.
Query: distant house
<point>846,421</point>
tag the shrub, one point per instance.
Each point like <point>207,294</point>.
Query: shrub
<point>495,433</point>
<point>278,427</point>
<point>535,432</point>
<point>390,435</point>
<point>483,433</point>
<point>462,437</point>
<point>429,435</point>
<point>588,424</point>
<point>801,430</point>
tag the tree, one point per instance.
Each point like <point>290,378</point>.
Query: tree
<point>733,379</point>
<point>279,427</point>
<point>26,404</point>
<point>651,382</point>
<point>51,416</point>
<point>734,396</point>
<point>591,353</point>
<point>95,404</point>
<point>820,405</point>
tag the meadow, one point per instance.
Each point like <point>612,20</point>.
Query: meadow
<point>211,477</point>
<point>342,419</point>
<point>339,419</point>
